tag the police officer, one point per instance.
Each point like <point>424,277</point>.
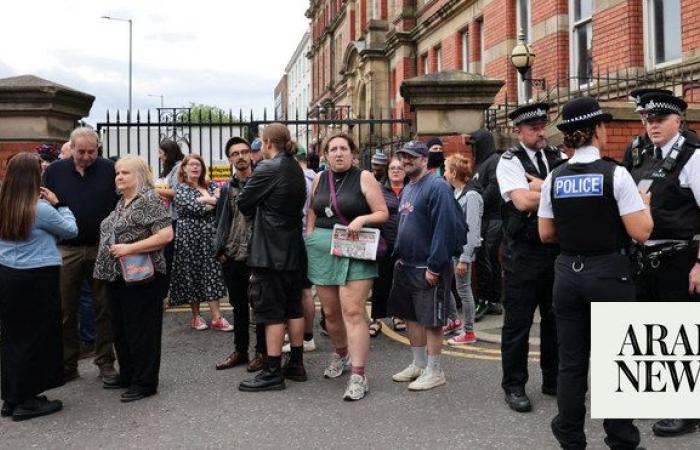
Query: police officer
<point>593,264</point>
<point>640,142</point>
<point>669,167</point>
<point>529,264</point>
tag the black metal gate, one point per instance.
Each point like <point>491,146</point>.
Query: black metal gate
<point>139,134</point>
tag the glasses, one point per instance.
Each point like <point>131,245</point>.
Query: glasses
<point>395,167</point>
<point>194,164</point>
<point>239,154</point>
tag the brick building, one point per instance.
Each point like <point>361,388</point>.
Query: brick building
<point>362,50</point>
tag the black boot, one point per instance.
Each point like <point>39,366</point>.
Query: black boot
<point>294,369</point>
<point>674,427</point>
<point>269,379</point>
<point>480,309</point>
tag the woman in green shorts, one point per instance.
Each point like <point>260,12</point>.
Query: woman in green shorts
<point>343,284</point>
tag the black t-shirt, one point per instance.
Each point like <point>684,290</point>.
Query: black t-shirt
<point>91,197</point>
<point>350,199</point>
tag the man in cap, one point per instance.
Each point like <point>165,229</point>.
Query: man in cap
<point>529,264</point>
<point>380,163</point>
<point>255,154</point>
<point>631,156</point>
<point>669,168</point>
<point>423,272</point>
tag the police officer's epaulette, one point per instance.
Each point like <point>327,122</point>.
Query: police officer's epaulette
<point>510,153</point>
<point>612,160</point>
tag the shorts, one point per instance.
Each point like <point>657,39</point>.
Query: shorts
<point>329,270</point>
<point>275,295</point>
<point>412,299</point>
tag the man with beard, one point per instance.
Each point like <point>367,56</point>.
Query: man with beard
<point>429,235</point>
<point>529,264</point>
<point>670,168</point>
<point>232,235</point>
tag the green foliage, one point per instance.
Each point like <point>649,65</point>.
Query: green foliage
<point>201,114</point>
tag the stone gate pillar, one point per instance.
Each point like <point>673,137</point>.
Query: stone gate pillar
<point>35,111</point>
<point>450,105</point>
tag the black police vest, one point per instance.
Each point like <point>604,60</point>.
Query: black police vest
<point>522,225</point>
<point>675,212</point>
<point>585,210</point>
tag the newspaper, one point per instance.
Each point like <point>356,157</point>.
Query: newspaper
<point>364,247</point>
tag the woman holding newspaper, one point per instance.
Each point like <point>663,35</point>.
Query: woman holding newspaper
<point>344,196</point>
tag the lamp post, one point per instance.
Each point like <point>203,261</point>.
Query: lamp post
<point>119,19</point>
<point>522,57</point>
<point>161,98</point>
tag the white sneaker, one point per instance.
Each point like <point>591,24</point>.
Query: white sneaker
<point>410,373</point>
<point>309,346</point>
<point>337,366</point>
<point>429,379</point>
<point>357,388</point>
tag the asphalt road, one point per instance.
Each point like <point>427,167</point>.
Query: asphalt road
<point>198,407</point>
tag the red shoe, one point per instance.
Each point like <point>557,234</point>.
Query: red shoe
<point>452,326</point>
<point>468,337</point>
<point>221,325</point>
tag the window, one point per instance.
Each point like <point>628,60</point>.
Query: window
<point>425,64</point>
<point>663,31</point>
<point>524,25</point>
<point>465,50</point>
<point>482,49</point>
<point>581,40</point>
<point>438,59</point>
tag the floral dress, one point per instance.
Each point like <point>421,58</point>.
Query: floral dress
<point>196,274</point>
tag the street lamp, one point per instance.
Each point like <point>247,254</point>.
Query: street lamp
<point>522,57</point>
<point>161,98</point>
<point>130,50</point>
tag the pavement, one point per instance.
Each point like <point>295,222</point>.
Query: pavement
<point>199,407</point>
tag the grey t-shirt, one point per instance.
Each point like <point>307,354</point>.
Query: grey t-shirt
<point>171,180</point>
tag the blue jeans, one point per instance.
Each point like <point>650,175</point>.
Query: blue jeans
<point>86,314</point>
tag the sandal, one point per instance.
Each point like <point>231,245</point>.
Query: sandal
<point>375,327</point>
<point>399,325</point>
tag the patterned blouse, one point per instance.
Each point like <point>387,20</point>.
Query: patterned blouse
<point>140,219</point>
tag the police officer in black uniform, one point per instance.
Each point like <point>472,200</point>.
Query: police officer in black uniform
<point>640,142</point>
<point>669,167</point>
<point>594,263</point>
<point>529,264</point>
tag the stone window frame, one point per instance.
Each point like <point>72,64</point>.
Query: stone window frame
<point>576,24</point>
<point>650,37</point>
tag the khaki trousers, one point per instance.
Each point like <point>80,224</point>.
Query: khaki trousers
<point>78,264</point>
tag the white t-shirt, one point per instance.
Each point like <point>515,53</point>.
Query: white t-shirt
<point>624,188</point>
<point>511,174</point>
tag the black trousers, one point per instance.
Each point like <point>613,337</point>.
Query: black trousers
<point>31,354</point>
<point>382,286</point>
<point>488,264</point>
<point>237,278</point>
<point>137,324</point>
<point>668,282</point>
<point>528,285</point>
<point>603,278</point>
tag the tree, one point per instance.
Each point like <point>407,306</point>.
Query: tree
<point>201,114</point>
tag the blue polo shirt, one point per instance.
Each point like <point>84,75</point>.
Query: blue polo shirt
<point>90,197</point>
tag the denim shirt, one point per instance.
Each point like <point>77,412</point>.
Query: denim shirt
<point>40,249</point>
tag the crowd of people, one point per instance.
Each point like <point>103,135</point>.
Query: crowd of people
<point>264,238</point>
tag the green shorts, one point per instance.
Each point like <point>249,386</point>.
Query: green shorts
<point>328,270</point>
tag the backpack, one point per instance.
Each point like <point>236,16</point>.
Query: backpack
<point>461,227</point>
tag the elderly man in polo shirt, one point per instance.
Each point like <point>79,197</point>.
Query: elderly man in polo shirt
<point>85,183</point>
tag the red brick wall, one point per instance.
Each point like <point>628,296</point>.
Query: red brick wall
<point>618,36</point>
<point>552,57</point>
<point>452,52</point>
<point>499,25</point>
<point>8,149</point>
<point>690,24</point>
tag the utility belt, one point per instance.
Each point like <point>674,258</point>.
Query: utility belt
<point>653,256</point>
<point>579,260</point>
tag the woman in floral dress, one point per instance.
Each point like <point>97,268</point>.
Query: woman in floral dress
<point>196,274</point>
